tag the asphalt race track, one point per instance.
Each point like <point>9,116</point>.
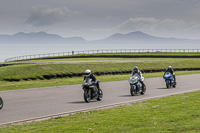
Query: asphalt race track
<point>30,104</point>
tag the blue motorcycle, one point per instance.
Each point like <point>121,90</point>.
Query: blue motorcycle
<point>169,80</point>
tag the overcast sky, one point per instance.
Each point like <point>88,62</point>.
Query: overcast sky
<point>97,19</point>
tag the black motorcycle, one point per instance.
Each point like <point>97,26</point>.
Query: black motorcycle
<point>1,103</point>
<point>91,91</point>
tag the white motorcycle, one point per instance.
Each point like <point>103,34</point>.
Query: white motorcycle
<point>136,86</point>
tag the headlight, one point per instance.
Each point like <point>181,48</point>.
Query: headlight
<point>133,80</point>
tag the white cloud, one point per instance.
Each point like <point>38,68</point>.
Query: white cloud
<point>42,16</point>
<point>151,24</point>
<point>154,26</point>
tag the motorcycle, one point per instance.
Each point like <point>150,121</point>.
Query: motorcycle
<point>1,103</point>
<point>169,80</point>
<point>90,89</point>
<point>136,86</point>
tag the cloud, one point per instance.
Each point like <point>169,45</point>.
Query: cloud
<point>152,24</point>
<point>43,16</point>
<point>161,27</point>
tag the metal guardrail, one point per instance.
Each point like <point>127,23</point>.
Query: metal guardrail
<point>25,57</point>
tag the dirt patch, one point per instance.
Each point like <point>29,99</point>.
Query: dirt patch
<point>45,67</point>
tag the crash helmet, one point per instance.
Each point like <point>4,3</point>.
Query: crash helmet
<point>88,72</point>
<point>169,67</point>
<point>135,69</point>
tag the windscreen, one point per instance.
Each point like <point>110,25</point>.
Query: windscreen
<point>87,79</point>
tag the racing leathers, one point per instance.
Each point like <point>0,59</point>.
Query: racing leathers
<point>96,82</point>
<point>141,77</point>
<point>170,70</point>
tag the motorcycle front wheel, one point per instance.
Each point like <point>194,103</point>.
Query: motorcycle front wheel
<point>167,84</point>
<point>132,91</point>
<point>100,95</point>
<point>87,96</point>
<point>1,103</point>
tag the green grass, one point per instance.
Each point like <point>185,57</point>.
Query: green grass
<point>37,70</point>
<point>93,59</point>
<point>4,85</point>
<point>170,114</point>
<point>102,59</point>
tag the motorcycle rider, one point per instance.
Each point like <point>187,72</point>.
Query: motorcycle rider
<point>170,70</point>
<point>137,71</point>
<point>92,76</point>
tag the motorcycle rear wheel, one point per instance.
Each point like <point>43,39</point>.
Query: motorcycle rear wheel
<point>143,90</point>
<point>1,103</point>
<point>87,96</point>
<point>174,85</point>
<point>100,95</point>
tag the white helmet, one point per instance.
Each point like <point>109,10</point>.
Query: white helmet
<point>87,72</point>
<point>169,67</point>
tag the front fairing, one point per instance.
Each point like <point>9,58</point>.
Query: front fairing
<point>134,81</point>
<point>88,83</point>
<point>168,76</point>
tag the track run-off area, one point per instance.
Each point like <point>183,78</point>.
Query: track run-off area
<point>39,103</point>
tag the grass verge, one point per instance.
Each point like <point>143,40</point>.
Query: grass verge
<point>4,85</point>
<point>178,113</point>
<point>118,54</point>
<point>38,70</point>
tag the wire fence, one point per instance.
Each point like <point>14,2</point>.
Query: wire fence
<point>25,57</point>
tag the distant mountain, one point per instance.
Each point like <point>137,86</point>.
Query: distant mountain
<point>38,38</point>
<point>130,38</point>
<point>142,38</point>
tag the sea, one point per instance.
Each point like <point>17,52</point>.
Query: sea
<point>14,50</point>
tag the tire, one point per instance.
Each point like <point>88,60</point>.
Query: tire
<point>87,96</point>
<point>132,91</point>
<point>1,103</point>
<point>100,95</point>
<point>167,84</point>
<point>143,90</point>
<point>174,85</point>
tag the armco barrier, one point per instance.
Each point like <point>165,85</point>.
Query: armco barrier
<point>126,56</point>
<point>111,56</point>
<point>71,75</point>
<point>51,55</point>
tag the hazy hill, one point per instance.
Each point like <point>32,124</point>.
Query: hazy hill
<point>142,38</point>
<point>38,38</point>
<point>130,38</point>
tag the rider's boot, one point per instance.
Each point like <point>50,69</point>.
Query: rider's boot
<point>142,85</point>
<point>97,84</point>
<point>94,95</point>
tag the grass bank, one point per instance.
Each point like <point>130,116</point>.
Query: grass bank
<point>38,70</point>
<point>187,54</point>
<point>170,114</point>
